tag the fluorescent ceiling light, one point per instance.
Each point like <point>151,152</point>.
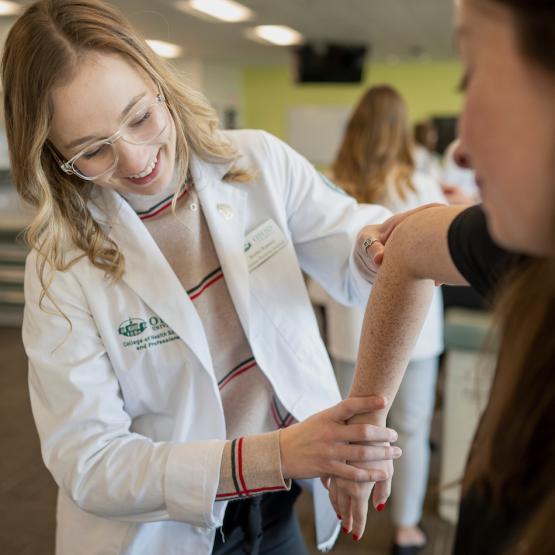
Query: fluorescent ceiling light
<point>224,10</point>
<point>10,8</point>
<point>165,49</point>
<point>277,34</point>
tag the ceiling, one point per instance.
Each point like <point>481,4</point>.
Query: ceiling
<point>395,29</point>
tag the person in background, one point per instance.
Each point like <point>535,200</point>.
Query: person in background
<point>375,164</point>
<point>426,158</point>
<point>505,248</point>
<point>174,396</point>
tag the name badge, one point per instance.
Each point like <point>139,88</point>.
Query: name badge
<point>262,243</point>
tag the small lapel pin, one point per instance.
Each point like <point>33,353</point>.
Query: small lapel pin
<point>226,211</point>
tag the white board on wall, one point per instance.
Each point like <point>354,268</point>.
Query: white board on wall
<point>316,131</point>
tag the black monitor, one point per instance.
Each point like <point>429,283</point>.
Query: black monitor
<point>330,63</point>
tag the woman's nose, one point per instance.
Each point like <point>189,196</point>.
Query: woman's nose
<point>132,159</point>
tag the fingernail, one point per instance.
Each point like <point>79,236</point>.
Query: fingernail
<point>397,452</point>
<point>355,537</point>
<point>344,530</point>
<point>380,507</point>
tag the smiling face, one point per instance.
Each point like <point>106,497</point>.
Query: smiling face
<point>104,93</point>
<point>507,128</point>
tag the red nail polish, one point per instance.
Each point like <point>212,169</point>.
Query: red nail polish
<point>380,507</point>
<point>355,537</point>
<point>344,530</point>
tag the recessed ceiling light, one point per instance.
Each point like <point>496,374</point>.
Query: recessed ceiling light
<point>223,10</point>
<point>165,49</point>
<point>10,8</point>
<point>276,34</point>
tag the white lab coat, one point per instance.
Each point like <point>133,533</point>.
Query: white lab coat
<point>134,437</point>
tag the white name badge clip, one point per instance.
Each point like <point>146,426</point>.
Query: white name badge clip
<point>262,243</point>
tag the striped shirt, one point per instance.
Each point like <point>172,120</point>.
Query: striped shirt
<point>253,414</point>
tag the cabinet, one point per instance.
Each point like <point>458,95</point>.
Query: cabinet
<point>469,367</point>
<point>13,251</point>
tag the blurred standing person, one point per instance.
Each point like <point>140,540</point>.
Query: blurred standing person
<point>425,143</point>
<point>375,164</point>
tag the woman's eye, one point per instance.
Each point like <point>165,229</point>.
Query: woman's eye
<point>95,152</point>
<point>463,83</point>
<point>140,120</point>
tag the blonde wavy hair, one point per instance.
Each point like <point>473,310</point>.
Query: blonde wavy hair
<point>42,51</point>
<point>376,149</point>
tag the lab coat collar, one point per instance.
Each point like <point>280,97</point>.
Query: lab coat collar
<point>203,173</point>
<point>224,206</point>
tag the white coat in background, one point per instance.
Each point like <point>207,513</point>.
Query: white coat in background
<point>427,162</point>
<point>133,436</point>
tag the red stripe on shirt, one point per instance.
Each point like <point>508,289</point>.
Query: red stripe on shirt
<point>250,491</point>
<point>240,464</point>
<point>162,208</point>
<point>206,286</point>
<point>238,373</point>
<point>276,416</point>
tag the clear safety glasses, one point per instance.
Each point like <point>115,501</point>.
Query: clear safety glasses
<point>141,127</point>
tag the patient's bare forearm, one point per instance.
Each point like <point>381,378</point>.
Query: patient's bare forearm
<point>416,254</point>
<point>394,317</point>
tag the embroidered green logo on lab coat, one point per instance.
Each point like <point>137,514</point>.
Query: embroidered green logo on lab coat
<point>132,327</point>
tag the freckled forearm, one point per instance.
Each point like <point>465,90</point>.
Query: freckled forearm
<point>416,254</point>
<point>394,316</point>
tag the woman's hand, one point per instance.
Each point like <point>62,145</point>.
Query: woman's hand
<point>324,444</point>
<point>350,499</point>
<point>372,238</point>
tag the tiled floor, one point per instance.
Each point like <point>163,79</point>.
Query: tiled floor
<point>28,494</point>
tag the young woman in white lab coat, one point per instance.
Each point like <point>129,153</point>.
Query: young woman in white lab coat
<point>375,164</point>
<point>128,370</point>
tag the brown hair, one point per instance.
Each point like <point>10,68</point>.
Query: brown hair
<point>425,134</point>
<point>376,150</point>
<point>513,457</point>
<point>42,51</point>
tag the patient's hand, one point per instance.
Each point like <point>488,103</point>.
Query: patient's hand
<point>351,499</point>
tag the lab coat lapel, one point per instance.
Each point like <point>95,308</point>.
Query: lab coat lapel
<point>224,206</point>
<point>149,274</point>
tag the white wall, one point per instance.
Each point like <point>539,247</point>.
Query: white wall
<point>222,84</point>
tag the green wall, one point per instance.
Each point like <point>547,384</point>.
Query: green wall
<point>429,88</point>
